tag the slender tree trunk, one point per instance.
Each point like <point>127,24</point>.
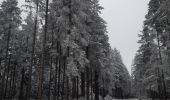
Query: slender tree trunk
<point>87,83</point>
<point>168,49</point>
<point>52,43</point>
<point>67,85</point>
<point>64,70</point>
<point>40,82</point>
<point>8,72</point>
<point>13,81</point>
<point>74,87</point>
<point>51,62</point>
<point>56,69</point>
<point>91,84</point>
<point>168,44</point>
<point>87,75</point>
<point>82,84</point>
<point>70,16</point>
<point>55,80</point>
<point>103,89</point>
<point>27,44</point>
<point>59,76</point>
<point>159,84</point>
<point>96,86</point>
<point>21,96</point>
<point>43,53</point>
<point>10,82</point>
<point>0,60</point>
<point>68,89</point>
<point>77,87</point>
<point>164,86</point>
<point>28,95</point>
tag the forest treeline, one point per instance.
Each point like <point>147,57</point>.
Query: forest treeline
<point>151,66</point>
<point>59,51</point>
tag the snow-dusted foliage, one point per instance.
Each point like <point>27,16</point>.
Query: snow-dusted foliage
<point>151,63</point>
<point>60,51</point>
<point>115,75</point>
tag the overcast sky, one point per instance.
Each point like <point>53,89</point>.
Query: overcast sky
<point>124,20</point>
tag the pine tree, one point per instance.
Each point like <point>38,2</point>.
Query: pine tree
<point>153,40</point>
<point>11,19</point>
<point>33,50</point>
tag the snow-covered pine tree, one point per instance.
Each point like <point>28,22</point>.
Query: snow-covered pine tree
<point>153,70</point>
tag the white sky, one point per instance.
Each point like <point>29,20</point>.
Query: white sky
<point>125,20</point>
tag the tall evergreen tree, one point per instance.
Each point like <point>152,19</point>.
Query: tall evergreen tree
<point>11,20</point>
<point>153,69</point>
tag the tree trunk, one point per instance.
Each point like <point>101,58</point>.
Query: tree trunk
<point>27,43</point>
<point>91,84</point>
<point>51,62</point>
<point>21,96</point>
<point>74,88</point>
<point>59,73</point>
<point>40,82</point>
<point>52,43</point>
<point>32,53</point>
<point>55,86</point>
<point>159,84</point>
<point>103,90</point>
<point>96,86</point>
<point>82,84</point>
<point>164,86</point>
<point>87,75</point>
<point>43,53</point>
<point>70,16</point>
<point>13,81</point>
<point>0,63</point>
<point>87,83</point>
<point>64,71</point>
<point>77,87</point>
<point>8,72</point>
<point>68,89</point>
